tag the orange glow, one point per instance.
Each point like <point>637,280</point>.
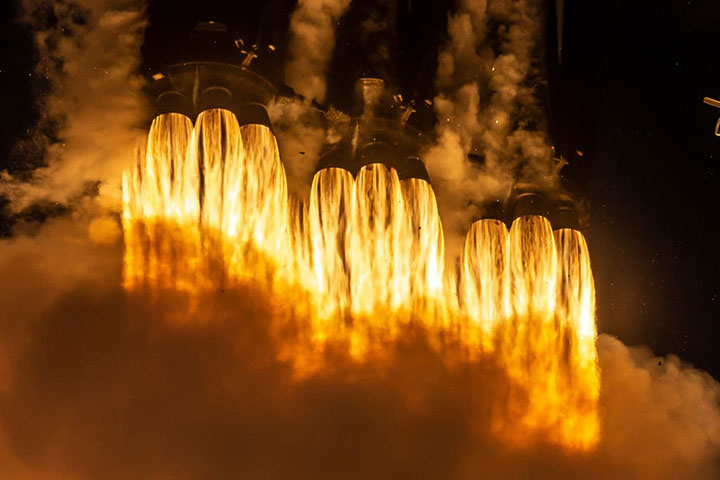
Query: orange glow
<point>207,205</point>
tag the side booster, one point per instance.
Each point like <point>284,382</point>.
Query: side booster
<point>214,73</point>
<point>378,133</point>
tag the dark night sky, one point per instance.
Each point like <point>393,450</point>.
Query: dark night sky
<point>629,95</point>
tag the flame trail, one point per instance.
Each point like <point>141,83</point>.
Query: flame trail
<point>427,265</point>
<point>216,182</point>
<point>484,286</point>
<point>162,193</point>
<point>207,206</point>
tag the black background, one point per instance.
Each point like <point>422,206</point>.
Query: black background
<point>629,95</point>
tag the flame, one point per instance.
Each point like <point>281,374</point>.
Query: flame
<point>207,206</point>
<point>485,280</point>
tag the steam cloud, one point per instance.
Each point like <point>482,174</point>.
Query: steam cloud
<point>89,53</point>
<point>97,383</point>
<point>486,106</point>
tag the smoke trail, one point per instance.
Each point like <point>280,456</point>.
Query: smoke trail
<point>312,40</point>
<point>486,107</point>
<point>89,53</point>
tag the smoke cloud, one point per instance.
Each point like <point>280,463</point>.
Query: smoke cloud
<point>89,53</point>
<point>486,107</point>
<point>300,127</point>
<point>99,383</point>
<point>301,135</point>
<point>312,40</point>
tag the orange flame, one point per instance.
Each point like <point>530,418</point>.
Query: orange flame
<point>206,206</point>
<point>533,295</point>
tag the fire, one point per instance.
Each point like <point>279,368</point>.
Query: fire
<point>220,185</point>
<point>533,296</point>
<point>207,206</point>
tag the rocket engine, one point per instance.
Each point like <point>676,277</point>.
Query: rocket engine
<point>214,72</point>
<point>378,133</point>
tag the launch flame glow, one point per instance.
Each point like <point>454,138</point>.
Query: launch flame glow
<point>206,206</point>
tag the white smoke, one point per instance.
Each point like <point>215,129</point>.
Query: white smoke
<point>299,126</point>
<point>513,105</point>
<point>661,417</point>
<point>484,106</point>
<point>300,130</point>
<point>90,55</point>
<point>312,41</point>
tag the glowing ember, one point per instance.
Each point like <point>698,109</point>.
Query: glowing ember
<point>208,206</point>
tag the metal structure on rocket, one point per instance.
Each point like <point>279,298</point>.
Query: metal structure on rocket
<point>215,72</point>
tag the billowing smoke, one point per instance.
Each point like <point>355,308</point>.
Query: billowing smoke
<point>312,41</point>
<point>300,127</point>
<point>99,383</point>
<point>486,107</point>
<point>93,114</point>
